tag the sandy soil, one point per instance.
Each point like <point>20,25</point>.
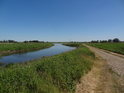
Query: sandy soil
<point>106,76</point>
<point>115,62</point>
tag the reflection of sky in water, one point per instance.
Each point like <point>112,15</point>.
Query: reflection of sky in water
<point>22,57</point>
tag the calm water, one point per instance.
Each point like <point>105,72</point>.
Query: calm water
<point>23,57</point>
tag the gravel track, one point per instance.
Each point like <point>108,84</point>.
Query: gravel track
<point>115,62</point>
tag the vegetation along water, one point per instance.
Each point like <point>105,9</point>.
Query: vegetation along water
<point>10,48</point>
<point>32,55</point>
<point>55,74</point>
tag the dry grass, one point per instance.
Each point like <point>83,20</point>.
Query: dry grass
<point>101,80</point>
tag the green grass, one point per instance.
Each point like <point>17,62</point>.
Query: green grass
<point>22,47</point>
<point>73,44</point>
<point>56,74</point>
<point>114,47</point>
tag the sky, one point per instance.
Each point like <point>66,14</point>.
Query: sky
<point>61,20</point>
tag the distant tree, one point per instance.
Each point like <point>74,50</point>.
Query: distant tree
<point>26,41</point>
<point>94,41</point>
<point>8,41</point>
<point>35,41</point>
<point>110,40</point>
<point>103,41</point>
<point>116,40</point>
<point>11,41</point>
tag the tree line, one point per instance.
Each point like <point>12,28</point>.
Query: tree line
<point>115,40</point>
<point>13,41</point>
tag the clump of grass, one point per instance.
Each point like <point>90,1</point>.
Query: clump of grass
<point>1,63</point>
<point>23,80</point>
<point>56,74</point>
<point>114,47</point>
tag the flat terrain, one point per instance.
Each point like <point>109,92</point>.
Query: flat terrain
<point>106,76</point>
<point>115,62</point>
<point>114,47</point>
<point>55,74</point>
<point>11,48</point>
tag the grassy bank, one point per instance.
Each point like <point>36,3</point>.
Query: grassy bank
<point>72,44</point>
<point>56,74</point>
<point>114,47</point>
<point>9,48</point>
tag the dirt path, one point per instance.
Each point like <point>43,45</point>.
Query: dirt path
<point>115,62</point>
<point>106,76</point>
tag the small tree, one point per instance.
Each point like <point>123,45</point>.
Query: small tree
<point>110,40</point>
<point>116,40</point>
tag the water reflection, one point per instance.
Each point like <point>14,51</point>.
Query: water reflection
<point>23,57</point>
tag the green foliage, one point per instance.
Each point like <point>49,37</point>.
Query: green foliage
<point>22,47</point>
<point>23,80</point>
<point>114,47</point>
<point>73,44</point>
<point>66,69</point>
<point>56,74</point>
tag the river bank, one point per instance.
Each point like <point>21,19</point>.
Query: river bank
<point>36,54</point>
<point>56,74</point>
<point>12,48</point>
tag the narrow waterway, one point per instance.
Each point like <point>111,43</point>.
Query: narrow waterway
<point>23,57</point>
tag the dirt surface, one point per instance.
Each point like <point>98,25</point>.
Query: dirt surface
<point>115,62</point>
<point>106,76</point>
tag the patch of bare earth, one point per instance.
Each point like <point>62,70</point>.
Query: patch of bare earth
<point>101,79</point>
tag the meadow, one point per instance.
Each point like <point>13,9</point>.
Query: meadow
<point>9,48</point>
<point>114,47</point>
<point>55,74</point>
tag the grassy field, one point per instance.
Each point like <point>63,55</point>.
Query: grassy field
<point>6,48</point>
<point>56,74</point>
<point>114,47</point>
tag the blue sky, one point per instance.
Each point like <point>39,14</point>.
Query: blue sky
<point>61,20</point>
